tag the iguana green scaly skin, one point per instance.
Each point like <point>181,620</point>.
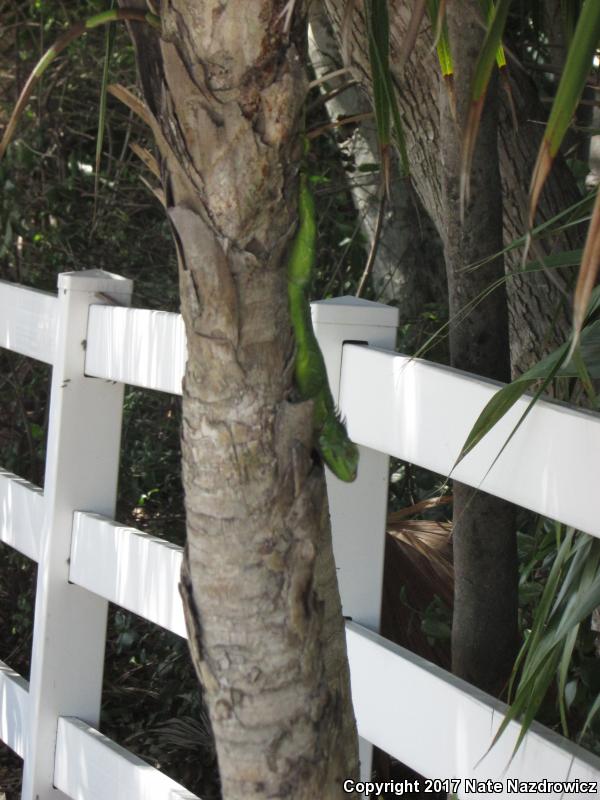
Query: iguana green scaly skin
<point>332,442</point>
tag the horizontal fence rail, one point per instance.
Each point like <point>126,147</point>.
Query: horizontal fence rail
<point>130,568</point>
<point>442,726</point>
<point>21,514</point>
<point>136,346</point>
<point>422,413</point>
<point>28,321</point>
<point>91,766</point>
<point>14,706</point>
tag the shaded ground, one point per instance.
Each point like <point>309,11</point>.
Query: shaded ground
<point>10,774</point>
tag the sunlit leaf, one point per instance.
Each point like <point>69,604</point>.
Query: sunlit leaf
<point>587,273</point>
<point>527,703</point>
<point>438,20</point>
<point>436,12</point>
<point>110,36</point>
<point>579,61</point>
<point>507,396</point>
<point>553,365</point>
<point>586,598</point>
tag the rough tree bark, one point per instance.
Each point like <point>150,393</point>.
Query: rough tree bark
<point>227,89</point>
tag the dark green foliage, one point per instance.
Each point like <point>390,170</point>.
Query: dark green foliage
<point>152,705</point>
<point>341,246</point>
<point>48,220</point>
<point>558,589</point>
<point>150,490</point>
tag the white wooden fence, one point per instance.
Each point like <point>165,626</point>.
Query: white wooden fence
<point>430,720</point>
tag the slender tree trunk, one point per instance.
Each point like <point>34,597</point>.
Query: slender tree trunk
<point>227,88</point>
<point>484,625</point>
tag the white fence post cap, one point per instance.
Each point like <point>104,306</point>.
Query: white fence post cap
<point>337,311</point>
<point>94,280</point>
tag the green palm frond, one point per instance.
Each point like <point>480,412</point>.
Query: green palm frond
<point>108,47</point>
<point>385,105</point>
<point>555,365</point>
<point>579,61</point>
<point>571,592</point>
<point>436,12</point>
<point>588,271</point>
<point>74,32</point>
<point>483,71</point>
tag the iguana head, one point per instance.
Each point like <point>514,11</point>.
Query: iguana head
<point>336,449</point>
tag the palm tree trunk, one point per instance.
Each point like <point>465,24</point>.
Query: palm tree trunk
<point>484,538</point>
<point>484,624</point>
<point>258,582</point>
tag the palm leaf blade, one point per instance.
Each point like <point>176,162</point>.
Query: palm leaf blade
<point>579,59</point>
<point>481,78</point>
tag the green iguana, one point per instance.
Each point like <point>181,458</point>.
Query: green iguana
<point>332,442</point>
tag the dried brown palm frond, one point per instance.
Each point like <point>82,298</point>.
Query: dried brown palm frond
<point>428,541</point>
<point>418,568</point>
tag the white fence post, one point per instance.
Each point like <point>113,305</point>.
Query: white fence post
<point>82,464</point>
<point>358,510</point>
